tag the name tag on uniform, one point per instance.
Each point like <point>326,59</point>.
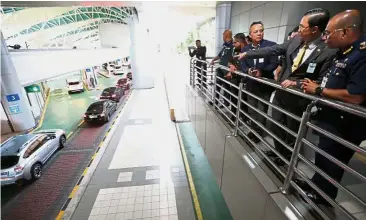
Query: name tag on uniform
<point>311,68</point>
<point>341,65</point>
<point>324,81</point>
<point>261,60</point>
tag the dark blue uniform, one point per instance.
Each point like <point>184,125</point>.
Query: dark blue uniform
<point>266,65</point>
<point>348,71</point>
<point>225,55</point>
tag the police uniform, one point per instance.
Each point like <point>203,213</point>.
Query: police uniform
<point>225,55</point>
<point>348,71</point>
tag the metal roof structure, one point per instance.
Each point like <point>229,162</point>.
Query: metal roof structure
<point>59,27</point>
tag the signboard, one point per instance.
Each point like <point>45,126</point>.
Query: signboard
<point>32,88</point>
<point>14,109</point>
<point>12,97</point>
<point>88,70</point>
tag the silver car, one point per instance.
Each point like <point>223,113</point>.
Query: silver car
<point>23,156</point>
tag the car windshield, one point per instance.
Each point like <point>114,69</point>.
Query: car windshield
<point>13,146</point>
<point>109,91</point>
<point>96,107</point>
<point>8,161</point>
<point>73,83</point>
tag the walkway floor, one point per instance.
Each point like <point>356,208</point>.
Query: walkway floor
<point>141,174</point>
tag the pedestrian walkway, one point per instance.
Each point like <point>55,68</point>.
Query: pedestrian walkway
<point>141,174</point>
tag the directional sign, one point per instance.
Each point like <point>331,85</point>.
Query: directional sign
<point>14,109</point>
<point>32,88</point>
<point>12,97</point>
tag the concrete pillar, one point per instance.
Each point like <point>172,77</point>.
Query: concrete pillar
<point>141,56</point>
<point>223,16</point>
<point>12,93</point>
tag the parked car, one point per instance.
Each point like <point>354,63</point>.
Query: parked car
<point>23,156</point>
<point>74,86</point>
<point>111,69</point>
<point>100,111</point>
<point>123,83</point>
<point>112,93</point>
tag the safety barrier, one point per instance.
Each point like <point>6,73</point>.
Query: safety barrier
<point>210,87</point>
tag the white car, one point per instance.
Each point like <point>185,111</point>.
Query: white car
<point>74,86</point>
<point>23,156</point>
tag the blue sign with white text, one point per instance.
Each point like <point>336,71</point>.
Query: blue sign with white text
<point>14,109</point>
<point>87,70</point>
<point>12,98</point>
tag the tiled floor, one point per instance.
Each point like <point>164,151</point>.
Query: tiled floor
<point>136,202</point>
<point>141,174</point>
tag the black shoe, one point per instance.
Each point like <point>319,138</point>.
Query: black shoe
<point>279,162</point>
<point>254,138</point>
<point>270,154</point>
<point>303,185</point>
<point>316,198</point>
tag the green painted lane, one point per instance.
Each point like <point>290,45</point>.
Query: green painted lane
<point>211,200</point>
<point>66,111</point>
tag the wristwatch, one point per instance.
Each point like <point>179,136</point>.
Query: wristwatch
<point>318,90</point>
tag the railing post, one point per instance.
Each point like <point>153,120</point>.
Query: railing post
<point>190,71</point>
<point>194,73</point>
<point>201,76</point>
<point>214,88</point>
<point>238,109</point>
<point>298,143</point>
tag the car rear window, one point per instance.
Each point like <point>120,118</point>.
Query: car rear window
<point>98,108</point>
<point>74,83</point>
<point>109,91</point>
<point>9,161</point>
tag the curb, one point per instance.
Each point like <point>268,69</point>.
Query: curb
<point>71,203</point>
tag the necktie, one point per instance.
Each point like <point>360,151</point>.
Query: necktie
<point>298,58</point>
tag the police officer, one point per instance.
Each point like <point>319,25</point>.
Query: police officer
<point>345,81</point>
<point>235,64</point>
<point>225,55</point>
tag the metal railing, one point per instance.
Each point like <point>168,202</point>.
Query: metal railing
<point>210,87</point>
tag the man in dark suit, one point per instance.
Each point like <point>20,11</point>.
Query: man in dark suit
<point>306,56</point>
<point>262,67</point>
<point>200,53</point>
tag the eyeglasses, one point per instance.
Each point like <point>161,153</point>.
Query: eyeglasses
<point>302,27</point>
<point>326,34</point>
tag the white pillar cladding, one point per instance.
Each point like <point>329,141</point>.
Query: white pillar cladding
<point>141,56</point>
<point>223,16</point>
<point>13,95</point>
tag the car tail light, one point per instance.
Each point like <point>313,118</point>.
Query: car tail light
<point>102,114</point>
<point>114,95</point>
<point>85,115</point>
<point>18,168</point>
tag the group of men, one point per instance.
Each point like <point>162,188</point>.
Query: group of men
<point>323,56</point>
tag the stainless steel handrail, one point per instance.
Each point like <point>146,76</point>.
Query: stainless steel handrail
<point>300,135</point>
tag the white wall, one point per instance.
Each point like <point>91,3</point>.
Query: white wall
<point>38,65</point>
<point>114,35</point>
<point>279,18</point>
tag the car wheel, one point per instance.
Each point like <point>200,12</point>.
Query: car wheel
<point>62,141</point>
<point>36,171</point>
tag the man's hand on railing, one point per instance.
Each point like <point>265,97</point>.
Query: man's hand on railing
<point>232,68</point>
<point>287,83</point>
<point>309,86</point>
<point>228,76</point>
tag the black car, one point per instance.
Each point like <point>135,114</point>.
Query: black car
<point>100,111</point>
<point>112,93</point>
